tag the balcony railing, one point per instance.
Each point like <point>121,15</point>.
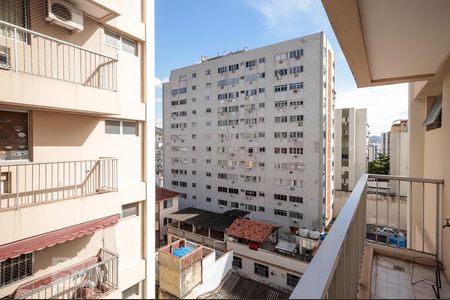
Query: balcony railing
<point>36,183</point>
<point>394,211</point>
<point>35,53</point>
<point>72,283</point>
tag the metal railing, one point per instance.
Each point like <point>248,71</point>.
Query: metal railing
<point>90,282</point>
<point>36,183</point>
<point>38,54</point>
<point>394,211</point>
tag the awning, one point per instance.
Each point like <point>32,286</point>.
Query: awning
<point>437,108</point>
<point>251,230</point>
<point>56,237</point>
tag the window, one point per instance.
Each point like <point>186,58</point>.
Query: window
<point>281,72</point>
<point>208,149</point>
<point>261,105</point>
<point>194,75</point>
<point>250,63</point>
<point>233,191</point>
<point>296,118</point>
<point>129,128</point>
<point>167,221</point>
<point>234,204</point>
<point>182,91</point>
<point>262,60</point>
<point>296,69</point>
<point>233,67</point>
<point>208,199</point>
<point>280,88</point>
<point>295,199</point>
<point>434,116</point>
<point>282,119</point>
<point>280,212</point>
<point>261,270</point>
<point>280,197</point>
<point>194,184</point>
<point>261,209</point>
<point>112,127</point>
<point>222,189</point>
<point>221,70</point>
<point>208,161</point>
<point>208,72</point>
<point>296,103</point>
<point>130,210</point>
<point>250,193</point>
<point>250,92</point>
<point>296,53</point>
<point>208,174</point>
<point>14,142</point>
<point>250,207</point>
<point>208,110</point>
<point>292,280</point>
<point>237,262</point>
<point>281,56</point>
<point>119,42</point>
<point>15,269</point>
<point>222,202</point>
<point>296,86</point>
<point>183,184</point>
<point>280,104</point>
<point>167,203</point>
<point>296,215</point>
<point>261,90</point>
<point>131,292</point>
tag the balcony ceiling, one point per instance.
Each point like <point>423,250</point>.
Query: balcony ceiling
<point>98,9</point>
<point>387,41</point>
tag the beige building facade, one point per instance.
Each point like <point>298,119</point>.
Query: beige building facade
<point>72,148</point>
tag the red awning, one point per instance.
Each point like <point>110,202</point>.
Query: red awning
<point>53,238</point>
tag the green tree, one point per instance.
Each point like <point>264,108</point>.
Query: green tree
<point>380,165</point>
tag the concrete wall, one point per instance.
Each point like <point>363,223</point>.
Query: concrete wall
<point>164,213</point>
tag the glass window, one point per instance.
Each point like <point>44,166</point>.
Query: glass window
<point>292,280</point>
<point>14,141</point>
<point>167,203</point>
<point>130,210</point>
<point>112,127</point>
<point>112,39</point>
<point>15,269</point>
<point>237,262</point>
<point>261,270</point>
<point>129,46</point>
<point>129,128</point>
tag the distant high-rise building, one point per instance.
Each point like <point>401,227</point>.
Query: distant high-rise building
<point>350,144</point>
<point>253,130</point>
<point>374,150</point>
<point>385,142</point>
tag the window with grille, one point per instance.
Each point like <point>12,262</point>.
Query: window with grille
<point>15,269</point>
<point>292,280</point>
<point>261,270</point>
<point>237,262</point>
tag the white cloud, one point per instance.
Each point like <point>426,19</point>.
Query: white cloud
<point>158,100</point>
<point>384,104</point>
<point>275,11</point>
<point>159,82</point>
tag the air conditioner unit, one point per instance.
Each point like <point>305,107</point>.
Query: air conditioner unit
<point>300,123</point>
<point>65,15</point>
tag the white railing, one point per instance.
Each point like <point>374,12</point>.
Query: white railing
<point>90,282</point>
<point>23,184</point>
<point>38,54</point>
<point>394,211</point>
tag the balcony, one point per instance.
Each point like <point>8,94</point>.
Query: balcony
<point>213,239</point>
<point>56,74</point>
<point>386,242</point>
<point>28,184</point>
<point>92,278</point>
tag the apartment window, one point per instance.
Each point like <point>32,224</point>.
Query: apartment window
<point>194,75</point>
<point>131,292</point>
<point>222,176</point>
<point>250,193</point>
<point>280,212</point>
<point>194,172</point>
<point>296,103</point>
<point>222,189</point>
<point>296,134</point>
<point>208,199</point>
<point>183,101</point>
<point>261,120</point>
<point>233,191</point>
<point>261,90</point>
<point>208,72</point>
<point>129,128</point>
<point>296,70</point>
<point>208,110</point>
<point>208,174</point>
<point>280,197</point>
<point>296,53</point>
<point>174,183</point>
<point>296,215</point>
<point>250,63</point>
<point>295,199</point>
<point>167,203</point>
<point>280,88</point>
<point>261,209</point>
<point>434,116</point>
<point>233,67</point>
<point>194,184</point>
<point>119,42</point>
<point>183,184</point>
<point>261,105</point>
<point>167,221</point>
<point>250,92</point>
<point>193,148</point>
<point>234,204</point>
<point>194,100</point>
<point>112,127</point>
<point>281,72</point>
<point>292,280</point>
<point>262,149</point>
<point>208,149</point>
<point>194,87</point>
<point>262,60</point>
<point>237,262</point>
<point>250,207</point>
<point>221,70</point>
<point>208,161</point>
<point>15,269</point>
<point>280,104</point>
<point>222,202</point>
<point>280,135</point>
<point>129,210</point>
<point>14,134</point>
<point>282,119</point>
<point>261,270</point>
<point>208,123</point>
<point>296,86</point>
<point>281,56</point>
<point>182,91</point>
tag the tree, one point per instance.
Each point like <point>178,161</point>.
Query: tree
<point>380,165</point>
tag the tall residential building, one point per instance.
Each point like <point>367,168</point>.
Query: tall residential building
<point>253,130</point>
<point>72,123</point>
<point>385,142</point>
<point>159,159</point>
<point>399,153</point>
<point>350,146</point>
<point>374,150</point>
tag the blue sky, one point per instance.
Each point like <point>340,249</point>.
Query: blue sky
<point>188,29</point>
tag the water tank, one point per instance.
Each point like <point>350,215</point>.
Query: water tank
<point>303,232</point>
<point>314,234</point>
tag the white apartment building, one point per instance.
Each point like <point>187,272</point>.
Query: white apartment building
<point>72,140</point>
<point>385,142</point>
<point>373,151</point>
<point>350,144</point>
<point>253,130</point>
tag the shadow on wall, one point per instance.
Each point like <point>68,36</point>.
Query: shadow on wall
<point>56,129</point>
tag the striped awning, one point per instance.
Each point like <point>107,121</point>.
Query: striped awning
<point>49,239</point>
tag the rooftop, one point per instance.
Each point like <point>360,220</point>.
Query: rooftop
<point>163,194</point>
<point>236,286</point>
<point>251,230</point>
<point>204,218</point>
